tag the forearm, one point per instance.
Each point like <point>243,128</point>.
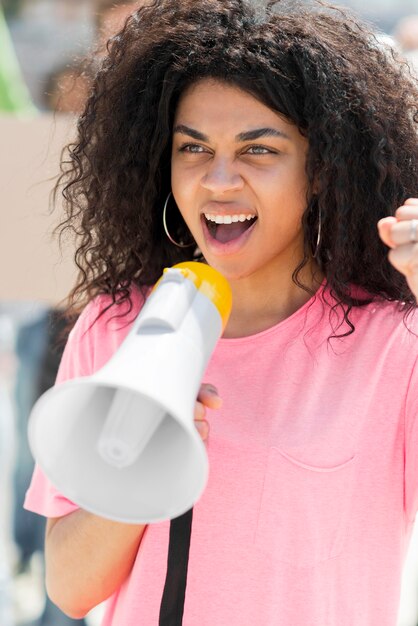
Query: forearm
<point>87,559</point>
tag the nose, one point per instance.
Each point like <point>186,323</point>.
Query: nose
<point>221,176</point>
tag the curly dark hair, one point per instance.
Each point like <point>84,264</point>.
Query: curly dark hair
<point>321,68</point>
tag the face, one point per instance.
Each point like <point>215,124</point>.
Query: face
<point>238,178</point>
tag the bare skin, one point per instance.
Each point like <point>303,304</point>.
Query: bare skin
<point>88,557</point>
<point>252,161</point>
<point>232,155</point>
<point>396,233</point>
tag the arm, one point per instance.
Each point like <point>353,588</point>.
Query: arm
<point>87,559</point>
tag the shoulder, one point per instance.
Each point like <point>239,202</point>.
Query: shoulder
<point>387,325</point>
<point>391,315</point>
<point>98,332</point>
<point>386,316</point>
<point>102,315</point>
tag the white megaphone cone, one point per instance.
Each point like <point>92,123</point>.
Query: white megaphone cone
<point>122,443</point>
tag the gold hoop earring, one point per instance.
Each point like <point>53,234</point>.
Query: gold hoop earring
<point>181,244</point>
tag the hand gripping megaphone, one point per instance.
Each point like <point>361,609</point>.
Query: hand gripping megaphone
<point>122,443</point>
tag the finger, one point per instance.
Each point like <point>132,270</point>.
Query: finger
<point>208,395</point>
<point>408,211</point>
<point>203,429</point>
<point>199,411</point>
<point>405,259</point>
<point>385,227</point>
<point>401,233</point>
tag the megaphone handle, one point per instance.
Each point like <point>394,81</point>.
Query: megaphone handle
<point>172,603</point>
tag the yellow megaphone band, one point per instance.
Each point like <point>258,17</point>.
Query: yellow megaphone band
<point>211,284</point>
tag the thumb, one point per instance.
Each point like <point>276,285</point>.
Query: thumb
<point>208,395</point>
<point>384,227</point>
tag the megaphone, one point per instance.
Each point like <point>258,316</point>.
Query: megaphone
<point>122,443</point>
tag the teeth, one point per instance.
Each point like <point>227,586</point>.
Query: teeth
<point>228,219</point>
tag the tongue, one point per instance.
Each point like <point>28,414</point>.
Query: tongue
<point>228,232</point>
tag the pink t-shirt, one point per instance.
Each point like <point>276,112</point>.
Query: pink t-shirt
<point>313,483</point>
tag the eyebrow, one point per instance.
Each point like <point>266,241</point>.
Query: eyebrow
<point>249,135</point>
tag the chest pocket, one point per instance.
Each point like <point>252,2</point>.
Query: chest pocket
<point>304,510</point>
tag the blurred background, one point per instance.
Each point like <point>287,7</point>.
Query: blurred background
<point>44,80</point>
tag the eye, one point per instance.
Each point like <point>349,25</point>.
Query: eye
<point>192,148</point>
<point>259,150</point>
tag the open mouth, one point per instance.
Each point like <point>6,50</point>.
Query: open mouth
<point>226,228</point>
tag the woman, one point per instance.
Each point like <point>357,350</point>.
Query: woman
<point>271,142</point>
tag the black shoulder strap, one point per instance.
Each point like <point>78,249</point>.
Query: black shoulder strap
<point>172,603</point>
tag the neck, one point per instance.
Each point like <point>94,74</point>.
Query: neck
<point>262,302</point>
